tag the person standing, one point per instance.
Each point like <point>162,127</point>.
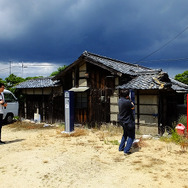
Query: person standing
<point>2,106</point>
<point>127,121</point>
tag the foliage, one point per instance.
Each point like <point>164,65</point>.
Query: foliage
<point>113,142</point>
<point>183,119</point>
<point>174,137</point>
<point>30,78</point>
<point>13,80</point>
<point>2,81</point>
<point>58,70</point>
<point>182,77</point>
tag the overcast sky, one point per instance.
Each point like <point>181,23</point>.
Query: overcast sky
<point>54,33</point>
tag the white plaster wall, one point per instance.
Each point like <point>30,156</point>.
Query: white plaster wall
<point>82,82</point>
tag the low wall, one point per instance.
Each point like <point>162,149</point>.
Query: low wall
<point>147,129</point>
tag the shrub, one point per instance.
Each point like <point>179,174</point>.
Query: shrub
<point>183,119</point>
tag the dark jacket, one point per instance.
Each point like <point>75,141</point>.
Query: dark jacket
<point>125,110</point>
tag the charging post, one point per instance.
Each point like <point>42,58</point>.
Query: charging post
<point>69,111</point>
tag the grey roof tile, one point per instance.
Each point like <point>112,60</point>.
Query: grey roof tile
<point>120,66</point>
<point>151,81</point>
<point>141,82</point>
<point>178,86</point>
<point>38,83</point>
<point>144,77</point>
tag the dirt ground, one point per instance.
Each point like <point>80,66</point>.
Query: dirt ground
<point>42,157</point>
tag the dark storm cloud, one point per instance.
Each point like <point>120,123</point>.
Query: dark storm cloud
<point>60,30</point>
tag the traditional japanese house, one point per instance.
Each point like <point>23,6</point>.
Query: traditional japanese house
<point>96,81</point>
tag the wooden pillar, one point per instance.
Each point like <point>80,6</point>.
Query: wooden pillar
<point>43,106</point>
<point>25,109</point>
<point>159,113</point>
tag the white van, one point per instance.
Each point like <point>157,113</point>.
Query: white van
<point>12,106</point>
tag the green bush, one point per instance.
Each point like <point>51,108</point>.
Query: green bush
<point>176,137</point>
<point>183,119</point>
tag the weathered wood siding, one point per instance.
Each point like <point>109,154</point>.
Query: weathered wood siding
<point>101,85</point>
<point>49,101</point>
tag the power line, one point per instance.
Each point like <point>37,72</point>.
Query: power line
<point>24,65</point>
<point>41,66</point>
<point>4,69</point>
<point>163,45</point>
<point>156,60</point>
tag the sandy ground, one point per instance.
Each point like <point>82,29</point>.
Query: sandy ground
<point>47,158</point>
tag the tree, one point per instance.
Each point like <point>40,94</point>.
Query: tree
<point>13,80</point>
<point>182,77</point>
<point>35,77</point>
<point>58,70</point>
<point>2,81</point>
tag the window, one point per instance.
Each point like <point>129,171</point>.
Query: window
<point>9,97</point>
<point>81,100</point>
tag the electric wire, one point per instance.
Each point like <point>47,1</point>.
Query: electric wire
<point>179,59</point>
<point>164,45</point>
<point>25,65</point>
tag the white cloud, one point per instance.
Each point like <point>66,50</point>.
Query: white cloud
<point>26,69</point>
<point>55,31</point>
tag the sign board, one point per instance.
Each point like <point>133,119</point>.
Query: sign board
<point>69,111</point>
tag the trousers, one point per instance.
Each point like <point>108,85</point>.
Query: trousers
<point>1,124</point>
<point>129,136</point>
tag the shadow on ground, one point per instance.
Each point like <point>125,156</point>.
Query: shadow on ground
<point>13,141</point>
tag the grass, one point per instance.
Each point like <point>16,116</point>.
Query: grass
<point>23,125</point>
<point>113,142</point>
<point>183,119</point>
<point>112,129</point>
<point>181,140</point>
<point>175,138</point>
<point>76,133</point>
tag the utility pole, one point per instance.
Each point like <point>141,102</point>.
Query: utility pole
<point>22,69</point>
<point>10,68</point>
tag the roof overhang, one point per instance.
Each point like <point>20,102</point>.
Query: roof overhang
<point>79,89</point>
<point>182,91</point>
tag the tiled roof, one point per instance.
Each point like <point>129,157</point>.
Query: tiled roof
<point>152,81</point>
<point>38,83</point>
<point>143,77</point>
<point>141,82</point>
<point>120,66</point>
<point>108,63</point>
<point>178,86</point>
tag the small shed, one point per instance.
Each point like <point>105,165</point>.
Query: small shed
<point>43,94</point>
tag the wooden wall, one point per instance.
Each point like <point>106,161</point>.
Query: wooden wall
<point>101,84</point>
